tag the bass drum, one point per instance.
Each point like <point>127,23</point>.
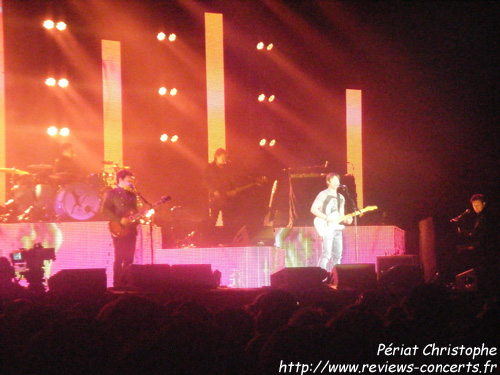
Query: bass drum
<point>78,201</point>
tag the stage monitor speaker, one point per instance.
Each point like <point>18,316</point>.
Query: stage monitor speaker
<point>157,277</point>
<point>147,276</point>
<point>360,276</point>
<point>78,282</point>
<point>195,275</point>
<point>299,278</point>
<point>384,263</point>
<point>402,278</point>
<point>467,281</point>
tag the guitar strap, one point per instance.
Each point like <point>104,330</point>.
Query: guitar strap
<point>327,202</point>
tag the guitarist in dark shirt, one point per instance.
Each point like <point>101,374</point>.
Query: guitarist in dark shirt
<point>219,181</point>
<point>119,204</point>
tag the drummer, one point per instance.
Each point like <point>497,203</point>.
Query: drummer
<point>66,167</point>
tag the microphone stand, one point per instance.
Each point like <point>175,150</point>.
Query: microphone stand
<point>150,225</point>
<point>356,209</point>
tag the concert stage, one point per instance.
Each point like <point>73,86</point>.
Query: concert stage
<point>87,245</point>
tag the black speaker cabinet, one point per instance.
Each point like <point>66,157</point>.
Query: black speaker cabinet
<point>299,278</point>
<point>360,276</point>
<point>78,282</point>
<point>164,276</point>
<point>385,263</point>
<point>147,276</point>
<point>198,275</point>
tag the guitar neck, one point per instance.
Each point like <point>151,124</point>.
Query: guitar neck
<point>357,213</point>
<point>146,210</point>
<point>241,188</point>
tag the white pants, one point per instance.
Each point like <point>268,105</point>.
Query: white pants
<point>332,250</point>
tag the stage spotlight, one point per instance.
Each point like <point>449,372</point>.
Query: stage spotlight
<point>270,46</point>
<point>48,24</point>
<point>260,46</point>
<point>161,36</point>
<point>164,137</point>
<point>64,132</point>
<point>52,131</point>
<point>50,81</point>
<point>271,98</point>
<point>262,142</point>
<point>149,213</point>
<point>272,142</point>
<point>172,37</point>
<point>262,97</point>
<point>63,82</point>
<point>162,90</point>
<point>174,138</point>
<point>61,26</point>
<point>173,92</point>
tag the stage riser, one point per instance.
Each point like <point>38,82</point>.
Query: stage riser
<point>86,245</point>
<point>303,245</point>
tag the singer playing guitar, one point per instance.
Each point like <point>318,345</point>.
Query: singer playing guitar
<point>329,206</point>
<point>117,205</point>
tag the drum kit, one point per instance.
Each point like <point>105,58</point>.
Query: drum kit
<point>39,194</point>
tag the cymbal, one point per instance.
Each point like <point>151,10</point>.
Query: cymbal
<point>13,171</point>
<point>40,166</point>
<point>59,176</point>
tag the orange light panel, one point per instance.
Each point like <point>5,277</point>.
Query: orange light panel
<point>354,140</point>
<point>2,109</point>
<point>214,51</point>
<point>112,101</point>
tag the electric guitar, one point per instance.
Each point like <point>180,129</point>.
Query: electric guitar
<point>117,229</point>
<point>223,196</point>
<point>324,227</point>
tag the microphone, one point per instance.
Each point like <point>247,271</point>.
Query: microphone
<point>343,186</point>
<point>130,185</point>
<point>466,212</point>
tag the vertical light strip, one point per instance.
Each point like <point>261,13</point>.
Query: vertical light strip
<point>354,140</point>
<point>214,51</point>
<point>3,145</point>
<point>112,101</point>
